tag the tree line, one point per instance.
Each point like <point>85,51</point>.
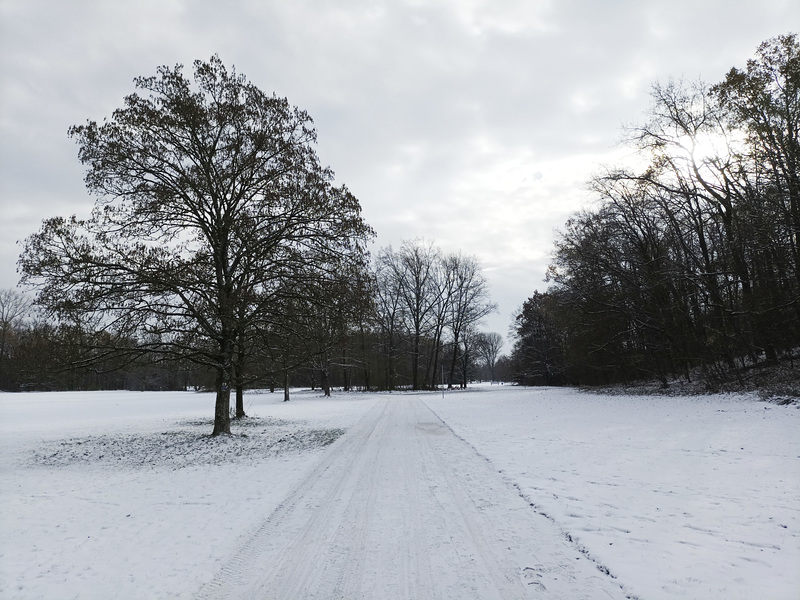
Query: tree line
<point>409,320</point>
<point>221,252</point>
<point>689,264</point>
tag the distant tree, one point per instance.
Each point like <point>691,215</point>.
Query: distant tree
<point>504,368</point>
<point>330,311</point>
<point>211,201</point>
<point>488,346</point>
<point>389,312</point>
<point>469,303</point>
<point>468,355</point>
<point>411,271</point>
<point>421,295</point>
<point>538,353</point>
<point>14,309</point>
<point>443,292</point>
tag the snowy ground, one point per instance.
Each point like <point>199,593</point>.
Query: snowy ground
<point>529,493</point>
<point>680,497</point>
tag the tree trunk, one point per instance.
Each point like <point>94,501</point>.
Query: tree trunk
<point>390,364</point>
<point>240,401</point>
<point>365,360</point>
<point>453,362</point>
<point>345,371</point>
<point>286,385</point>
<point>222,408</point>
<point>464,368</point>
<point>437,346</point>
<point>238,376</point>
<point>415,363</point>
<point>325,383</point>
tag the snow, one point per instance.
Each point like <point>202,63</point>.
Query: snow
<point>123,494</point>
<point>678,497</point>
<point>125,526</point>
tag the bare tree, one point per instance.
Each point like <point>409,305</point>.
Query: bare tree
<point>469,302</point>
<point>488,346</point>
<point>14,309</point>
<point>764,100</point>
<point>413,273</point>
<point>389,309</point>
<point>691,262</point>
<point>211,200</point>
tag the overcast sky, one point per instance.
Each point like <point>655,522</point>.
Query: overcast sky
<point>471,123</point>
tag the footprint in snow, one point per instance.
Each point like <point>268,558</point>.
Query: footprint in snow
<point>532,575</point>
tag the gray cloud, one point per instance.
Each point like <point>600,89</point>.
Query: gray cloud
<point>473,123</point>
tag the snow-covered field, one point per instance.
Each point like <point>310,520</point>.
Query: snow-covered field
<point>679,497</point>
<point>124,495</point>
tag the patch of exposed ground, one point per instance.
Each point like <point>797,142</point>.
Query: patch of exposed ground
<point>186,444</point>
<point>776,382</point>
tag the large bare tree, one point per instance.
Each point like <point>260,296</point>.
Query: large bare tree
<point>210,201</point>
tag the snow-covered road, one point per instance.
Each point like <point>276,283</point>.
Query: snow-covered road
<point>402,508</point>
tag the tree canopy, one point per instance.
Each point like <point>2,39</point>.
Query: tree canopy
<point>691,263</point>
<point>212,208</point>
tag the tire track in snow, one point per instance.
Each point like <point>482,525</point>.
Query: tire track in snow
<point>258,558</point>
<point>400,507</point>
<point>540,512</point>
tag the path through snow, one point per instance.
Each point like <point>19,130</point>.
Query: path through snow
<point>402,508</point>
